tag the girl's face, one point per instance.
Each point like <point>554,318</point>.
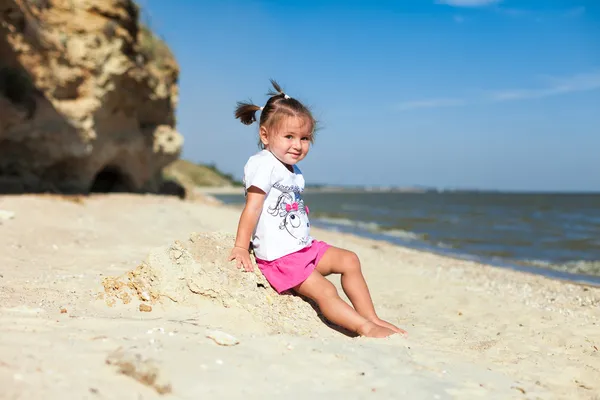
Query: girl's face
<point>289,140</point>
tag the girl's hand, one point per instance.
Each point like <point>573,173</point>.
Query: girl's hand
<point>254,202</point>
<point>242,257</point>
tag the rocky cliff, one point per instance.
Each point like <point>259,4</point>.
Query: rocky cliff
<point>87,98</point>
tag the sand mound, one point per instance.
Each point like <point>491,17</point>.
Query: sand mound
<point>191,272</point>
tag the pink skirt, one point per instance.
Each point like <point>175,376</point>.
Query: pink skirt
<point>291,270</point>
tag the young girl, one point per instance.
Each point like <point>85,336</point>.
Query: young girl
<point>275,221</point>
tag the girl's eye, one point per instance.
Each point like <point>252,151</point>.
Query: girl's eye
<point>305,138</point>
<point>289,137</point>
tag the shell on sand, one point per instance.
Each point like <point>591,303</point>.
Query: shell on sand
<point>222,338</point>
<point>6,215</point>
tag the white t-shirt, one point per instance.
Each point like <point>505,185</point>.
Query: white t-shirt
<point>283,226</point>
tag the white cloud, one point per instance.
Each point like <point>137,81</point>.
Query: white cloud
<point>553,86</point>
<point>429,103</point>
<point>556,86</point>
<point>468,3</point>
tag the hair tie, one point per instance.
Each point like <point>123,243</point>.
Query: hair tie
<point>261,108</point>
<point>285,96</point>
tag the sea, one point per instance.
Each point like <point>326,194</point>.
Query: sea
<point>552,234</point>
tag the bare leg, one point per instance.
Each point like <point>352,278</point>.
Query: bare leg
<point>336,310</point>
<point>346,263</point>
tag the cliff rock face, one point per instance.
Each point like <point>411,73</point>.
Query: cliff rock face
<point>87,98</point>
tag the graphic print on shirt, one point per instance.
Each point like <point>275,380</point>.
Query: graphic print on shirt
<point>290,207</point>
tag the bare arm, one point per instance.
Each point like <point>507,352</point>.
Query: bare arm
<point>248,220</point>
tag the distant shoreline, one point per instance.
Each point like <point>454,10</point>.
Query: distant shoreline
<point>328,189</point>
<point>416,190</point>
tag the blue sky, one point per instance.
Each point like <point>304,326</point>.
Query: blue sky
<point>448,93</point>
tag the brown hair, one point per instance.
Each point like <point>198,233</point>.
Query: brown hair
<point>278,106</point>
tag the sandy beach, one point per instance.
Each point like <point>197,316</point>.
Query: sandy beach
<point>476,331</point>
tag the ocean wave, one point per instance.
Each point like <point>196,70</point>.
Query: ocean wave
<point>448,248</point>
<point>575,267</point>
<point>372,227</point>
<point>402,234</point>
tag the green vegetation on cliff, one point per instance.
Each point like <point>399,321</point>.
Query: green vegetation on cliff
<point>189,174</point>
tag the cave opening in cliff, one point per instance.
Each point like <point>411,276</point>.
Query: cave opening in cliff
<point>111,179</point>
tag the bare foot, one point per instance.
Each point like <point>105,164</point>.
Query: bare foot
<point>370,329</point>
<point>386,324</point>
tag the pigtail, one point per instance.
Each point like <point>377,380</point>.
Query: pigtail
<point>278,91</point>
<point>246,112</point>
